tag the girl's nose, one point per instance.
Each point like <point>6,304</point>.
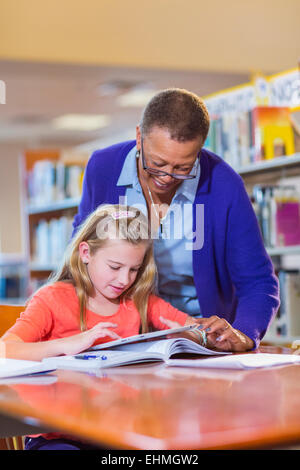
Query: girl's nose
<point>123,278</point>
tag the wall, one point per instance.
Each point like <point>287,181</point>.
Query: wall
<point>11,219</point>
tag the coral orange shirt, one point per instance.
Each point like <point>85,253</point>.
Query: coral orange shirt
<point>53,312</point>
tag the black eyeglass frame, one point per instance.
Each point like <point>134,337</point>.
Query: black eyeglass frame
<point>153,171</point>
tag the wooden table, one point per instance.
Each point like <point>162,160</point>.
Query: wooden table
<point>156,407</point>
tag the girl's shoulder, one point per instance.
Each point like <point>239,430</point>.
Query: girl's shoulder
<point>56,291</point>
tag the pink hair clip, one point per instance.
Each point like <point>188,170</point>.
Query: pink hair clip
<point>122,214</point>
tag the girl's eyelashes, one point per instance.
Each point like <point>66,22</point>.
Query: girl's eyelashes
<point>114,268</point>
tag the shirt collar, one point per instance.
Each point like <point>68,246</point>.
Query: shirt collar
<point>128,175</point>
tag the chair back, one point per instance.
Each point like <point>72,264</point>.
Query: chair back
<point>8,316</point>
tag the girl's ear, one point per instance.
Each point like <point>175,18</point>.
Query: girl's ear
<point>84,252</point>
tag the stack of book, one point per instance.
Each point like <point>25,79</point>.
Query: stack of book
<point>278,212</point>
<point>50,181</point>
<point>287,321</point>
<point>11,286</point>
<point>50,239</point>
<point>243,138</point>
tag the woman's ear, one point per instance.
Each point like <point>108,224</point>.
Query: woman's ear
<point>138,137</point>
<point>84,252</point>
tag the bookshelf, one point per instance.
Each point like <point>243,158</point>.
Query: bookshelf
<point>52,182</point>
<point>276,164</point>
<point>235,138</point>
<point>69,203</point>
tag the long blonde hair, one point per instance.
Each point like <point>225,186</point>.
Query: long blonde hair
<point>107,221</point>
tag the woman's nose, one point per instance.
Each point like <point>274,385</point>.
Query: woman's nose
<point>166,179</point>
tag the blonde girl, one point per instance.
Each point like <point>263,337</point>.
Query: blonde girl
<point>103,291</point>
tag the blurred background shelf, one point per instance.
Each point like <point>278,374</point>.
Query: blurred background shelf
<point>284,250</point>
<point>69,203</point>
<point>277,163</point>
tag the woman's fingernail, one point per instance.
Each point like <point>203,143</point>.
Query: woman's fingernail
<point>199,327</point>
<point>219,338</point>
<point>207,329</point>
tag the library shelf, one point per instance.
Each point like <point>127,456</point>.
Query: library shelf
<point>12,259</point>
<point>280,340</point>
<point>276,163</point>
<point>12,301</point>
<point>42,267</point>
<point>54,206</point>
<point>283,250</point>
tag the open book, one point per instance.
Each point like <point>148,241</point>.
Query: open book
<point>238,361</point>
<point>16,368</point>
<point>149,351</point>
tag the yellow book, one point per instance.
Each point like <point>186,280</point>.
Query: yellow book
<point>272,132</point>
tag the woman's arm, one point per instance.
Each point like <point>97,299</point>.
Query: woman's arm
<point>13,347</point>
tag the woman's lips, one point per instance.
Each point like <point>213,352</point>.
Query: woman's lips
<point>160,185</point>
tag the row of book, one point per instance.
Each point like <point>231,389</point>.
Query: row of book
<point>50,238</point>
<point>244,138</point>
<point>50,181</point>
<point>278,212</point>
<point>13,280</point>
<point>287,320</point>
<point>11,287</point>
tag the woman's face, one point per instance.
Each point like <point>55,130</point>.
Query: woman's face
<point>113,268</point>
<point>163,153</point>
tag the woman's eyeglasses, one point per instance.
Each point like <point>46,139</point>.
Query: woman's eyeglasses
<point>178,176</point>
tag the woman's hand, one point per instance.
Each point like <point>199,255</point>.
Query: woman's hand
<point>77,343</point>
<point>222,336</point>
<point>219,333</point>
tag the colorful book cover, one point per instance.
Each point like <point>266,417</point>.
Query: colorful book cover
<point>288,223</point>
<point>272,132</point>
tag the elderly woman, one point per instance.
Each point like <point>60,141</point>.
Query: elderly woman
<point>210,257</point>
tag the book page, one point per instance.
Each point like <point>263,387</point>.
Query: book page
<point>168,347</point>
<point>16,367</point>
<point>238,361</point>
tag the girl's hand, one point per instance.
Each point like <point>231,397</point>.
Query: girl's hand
<point>82,341</point>
<point>221,335</point>
<point>185,334</point>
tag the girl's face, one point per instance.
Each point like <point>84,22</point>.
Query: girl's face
<point>113,268</point>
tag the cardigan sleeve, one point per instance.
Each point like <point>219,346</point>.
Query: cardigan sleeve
<point>86,205</point>
<point>250,269</point>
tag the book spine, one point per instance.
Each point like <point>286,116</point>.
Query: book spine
<point>51,240</point>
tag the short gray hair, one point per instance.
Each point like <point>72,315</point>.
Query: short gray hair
<point>181,112</point>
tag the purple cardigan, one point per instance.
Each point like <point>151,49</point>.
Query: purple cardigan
<point>233,274</point>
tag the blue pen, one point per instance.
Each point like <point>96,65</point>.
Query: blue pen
<point>88,356</point>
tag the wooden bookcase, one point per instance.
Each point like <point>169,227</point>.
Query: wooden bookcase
<point>49,210</point>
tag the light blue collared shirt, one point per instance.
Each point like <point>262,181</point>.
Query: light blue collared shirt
<point>172,254</point>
